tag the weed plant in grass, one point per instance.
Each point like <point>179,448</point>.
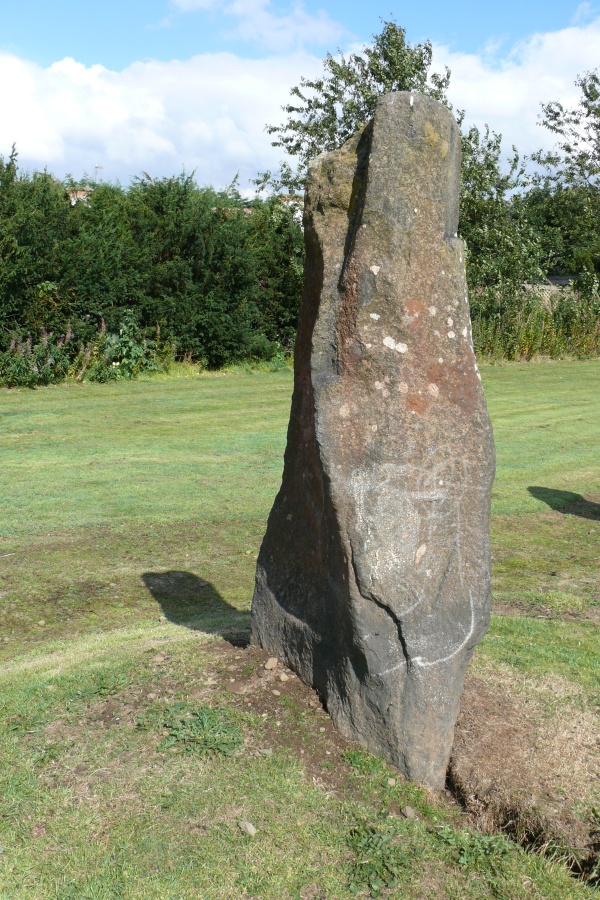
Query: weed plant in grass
<point>126,502</point>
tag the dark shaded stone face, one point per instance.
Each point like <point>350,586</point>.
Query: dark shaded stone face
<point>373,579</point>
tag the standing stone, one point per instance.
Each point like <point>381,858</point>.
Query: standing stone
<point>373,579</point>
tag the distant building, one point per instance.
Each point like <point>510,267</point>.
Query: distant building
<point>81,195</point>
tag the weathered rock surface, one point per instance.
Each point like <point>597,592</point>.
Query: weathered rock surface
<point>373,578</point>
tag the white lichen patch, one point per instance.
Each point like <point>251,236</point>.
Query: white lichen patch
<point>440,359</point>
<point>450,322</point>
<point>344,411</point>
<point>420,554</point>
<point>451,335</point>
<point>433,390</point>
<point>373,428</point>
<point>375,269</point>
<point>403,387</point>
<point>378,385</point>
<point>393,345</point>
<point>385,393</point>
<point>464,331</point>
<point>374,316</point>
<point>432,311</point>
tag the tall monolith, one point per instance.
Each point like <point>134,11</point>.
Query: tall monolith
<point>373,579</point>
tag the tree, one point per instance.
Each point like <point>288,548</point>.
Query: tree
<point>503,248</point>
<point>327,111</point>
<point>577,159</point>
<point>564,201</point>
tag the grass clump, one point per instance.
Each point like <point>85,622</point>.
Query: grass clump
<point>379,857</point>
<point>206,731</point>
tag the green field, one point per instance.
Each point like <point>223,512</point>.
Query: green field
<point>124,503</point>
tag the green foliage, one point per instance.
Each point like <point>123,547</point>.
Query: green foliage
<point>564,202</point>
<point>25,364</point>
<point>378,857</point>
<point>218,280</point>
<point>102,684</point>
<point>577,158</point>
<point>363,762</point>
<point>473,848</point>
<point>503,249</point>
<point>206,731</point>
<point>327,111</point>
<point>107,357</point>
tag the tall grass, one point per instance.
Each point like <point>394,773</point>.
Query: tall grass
<point>524,323</point>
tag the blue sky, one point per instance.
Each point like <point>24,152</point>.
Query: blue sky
<point>115,34</point>
<point>167,85</point>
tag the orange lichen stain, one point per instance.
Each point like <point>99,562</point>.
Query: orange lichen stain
<point>413,307</point>
<point>456,382</point>
<point>417,403</point>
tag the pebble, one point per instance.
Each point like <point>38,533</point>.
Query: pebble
<point>159,659</point>
<point>162,619</point>
<point>266,752</point>
<point>236,687</point>
<point>276,693</point>
<point>151,696</point>
<point>284,677</point>
<point>6,640</point>
<point>42,622</point>
<point>408,812</point>
<point>247,827</point>
<point>391,782</point>
<point>271,663</point>
<point>322,730</point>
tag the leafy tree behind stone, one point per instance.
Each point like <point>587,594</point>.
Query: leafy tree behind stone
<point>326,111</point>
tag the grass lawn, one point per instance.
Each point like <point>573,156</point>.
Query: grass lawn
<point>134,740</point>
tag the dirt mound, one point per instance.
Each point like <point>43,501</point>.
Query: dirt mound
<point>519,768</point>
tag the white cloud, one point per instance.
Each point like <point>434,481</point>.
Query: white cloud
<point>584,12</point>
<point>506,93</point>
<point>208,113</point>
<point>257,22</point>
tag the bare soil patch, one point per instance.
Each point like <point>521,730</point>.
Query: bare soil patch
<point>519,769</point>
<point>539,611</point>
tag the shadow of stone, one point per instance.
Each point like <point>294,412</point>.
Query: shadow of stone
<point>567,502</point>
<point>189,601</point>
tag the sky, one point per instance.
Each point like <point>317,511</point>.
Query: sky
<point>166,86</point>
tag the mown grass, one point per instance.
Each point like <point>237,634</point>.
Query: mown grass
<point>122,503</point>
